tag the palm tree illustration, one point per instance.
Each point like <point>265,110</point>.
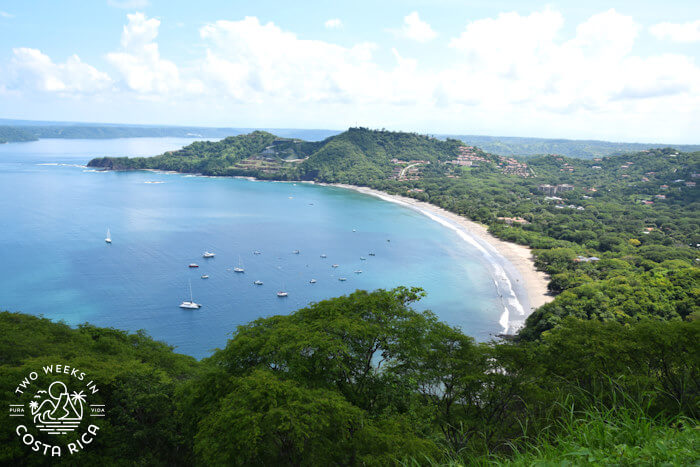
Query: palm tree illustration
<point>78,399</point>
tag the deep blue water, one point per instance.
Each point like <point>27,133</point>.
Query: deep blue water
<point>54,215</point>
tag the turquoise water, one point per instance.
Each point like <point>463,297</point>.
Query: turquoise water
<point>55,213</point>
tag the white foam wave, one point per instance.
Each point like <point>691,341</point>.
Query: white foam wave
<point>503,320</point>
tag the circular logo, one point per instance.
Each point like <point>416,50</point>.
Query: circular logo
<point>56,410</point>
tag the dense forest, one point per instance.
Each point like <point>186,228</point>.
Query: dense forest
<point>364,379</point>
<point>618,235</point>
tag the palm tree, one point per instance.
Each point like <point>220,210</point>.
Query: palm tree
<point>78,397</point>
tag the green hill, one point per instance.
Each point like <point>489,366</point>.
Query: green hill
<point>355,156</point>
<point>360,155</point>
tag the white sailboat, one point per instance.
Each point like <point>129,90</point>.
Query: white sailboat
<point>108,238</point>
<point>281,293</point>
<point>239,268</point>
<point>191,305</point>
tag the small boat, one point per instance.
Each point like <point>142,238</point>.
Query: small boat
<point>362,258</point>
<point>335,265</point>
<point>239,268</point>
<point>388,240</point>
<point>371,254</point>
<point>312,281</point>
<point>193,265</point>
<point>296,252</point>
<point>324,256</point>
<point>108,238</point>
<point>342,279</point>
<point>190,305</point>
<point>256,252</point>
<point>258,282</point>
<point>354,230</point>
<point>208,254</point>
<point>359,271</point>
<point>205,276</point>
<point>281,294</point>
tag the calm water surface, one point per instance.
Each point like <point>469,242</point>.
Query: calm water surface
<point>55,213</point>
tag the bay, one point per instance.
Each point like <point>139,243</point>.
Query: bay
<point>55,213</point>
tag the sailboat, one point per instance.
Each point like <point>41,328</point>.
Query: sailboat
<point>191,305</point>
<point>108,238</point>
<point>239,268</point>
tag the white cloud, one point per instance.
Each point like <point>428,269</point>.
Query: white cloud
<point>35,70</point>
<point>510,73</point>
<point>253,61</point>
<point>677,32</point>
<point>128,4</point>
<point>5,14</point>
<point>140,64</point>
<point>514,59</point>
<point>333,23</point>
<point>416,29</point>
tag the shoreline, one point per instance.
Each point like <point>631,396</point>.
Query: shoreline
<point>522,287</point>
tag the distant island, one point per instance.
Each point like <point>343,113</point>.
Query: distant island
<point>618,235</point>
<point>30,130</point>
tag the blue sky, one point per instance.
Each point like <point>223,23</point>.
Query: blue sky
<point>624,71</point>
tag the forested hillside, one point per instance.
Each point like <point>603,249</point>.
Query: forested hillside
<point>618,235</point>
<point>9,134</point>
<point>366,380</point>
<point>583,149</point>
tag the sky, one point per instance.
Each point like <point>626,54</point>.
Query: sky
<point>615,70</point>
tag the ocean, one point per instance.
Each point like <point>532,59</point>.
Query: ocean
<point>55,214</point>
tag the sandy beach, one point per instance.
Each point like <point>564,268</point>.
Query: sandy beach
<point>528,285</point>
